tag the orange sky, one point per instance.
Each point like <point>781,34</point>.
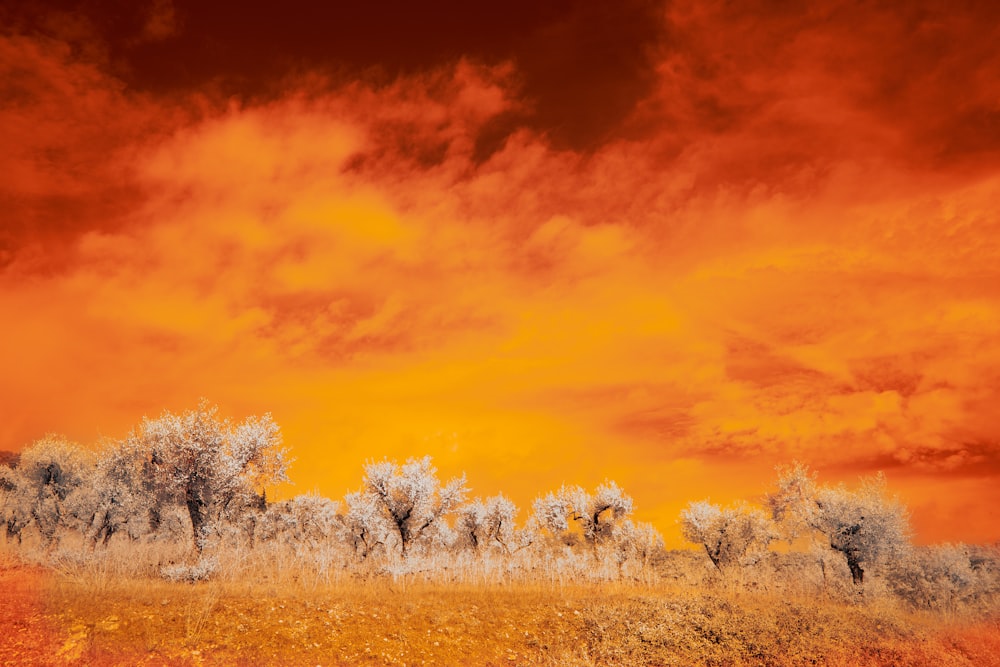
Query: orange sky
<point>670,244</point>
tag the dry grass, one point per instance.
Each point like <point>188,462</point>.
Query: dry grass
<point>152,622</point>
<point>272,607</point>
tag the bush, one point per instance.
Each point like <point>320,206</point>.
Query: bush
<point>204,569</point>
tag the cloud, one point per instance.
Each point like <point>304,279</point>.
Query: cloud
<point>70,133</point>
<point>763,261</point>
<point>161,21</point>
<point>781,96</point>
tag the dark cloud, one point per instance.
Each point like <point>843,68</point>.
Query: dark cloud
<point>63,124</point>
<point>588,69</point>
<point>887,373</point>
<point>769,93</point>
<point>583,63</point>
<point>979,460</point>
<point>755,363</point>
<point>779,93</point>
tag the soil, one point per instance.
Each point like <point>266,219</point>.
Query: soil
<point>46,619</point>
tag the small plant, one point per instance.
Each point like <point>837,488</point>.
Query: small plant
<point>204,569</point>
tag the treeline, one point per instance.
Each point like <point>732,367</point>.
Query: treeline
<point>186,491</point>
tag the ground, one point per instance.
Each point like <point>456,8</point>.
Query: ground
<point>49,619</point>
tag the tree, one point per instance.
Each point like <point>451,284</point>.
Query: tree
<point>411,497</point>
<point>793,505</point>
<point>864,526</point>
<point>637,542</point>
<point>11,514</point>
<point>121,495</point>
<point>365,523</point>
<point>44,488</point>
<point>595,515</point>
<point>214,469</point>
<point>483,524</point>
<point>307,519</point>
<point>941,576</point>
<point>736,535</point>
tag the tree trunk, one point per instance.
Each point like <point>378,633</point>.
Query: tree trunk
<point>196,510</point>
<point>404,545</point>
<point>155,518</point>
<point>714,556</point>
<point>857,574</point>
<point>101,529</point>
<point>14,529</point>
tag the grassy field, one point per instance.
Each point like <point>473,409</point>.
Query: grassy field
<point>53,619</point>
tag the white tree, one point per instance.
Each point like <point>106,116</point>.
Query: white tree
<point>119,497</point>
<point>43,490</point>
<point>411,497</point>
<point>595,515</point>
<point>307,519</point>
<point>9,486</point>
<point>365,524</point>
<point>485,524</point>
<point>215,469</point>
<point>793,504</point>
<point>736,535</point>
<point>637,542</point>
<point>864,526</point>
<point>941,576</point>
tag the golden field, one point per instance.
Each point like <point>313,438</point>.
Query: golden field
<point>63,618</point>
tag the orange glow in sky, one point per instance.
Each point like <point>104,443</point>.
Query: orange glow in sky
<point>671,244</point>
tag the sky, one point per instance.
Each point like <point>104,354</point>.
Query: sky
<point>673,244</point>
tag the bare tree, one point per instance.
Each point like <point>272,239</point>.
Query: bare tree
<point>411,497</point>
<point>736,535</point>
